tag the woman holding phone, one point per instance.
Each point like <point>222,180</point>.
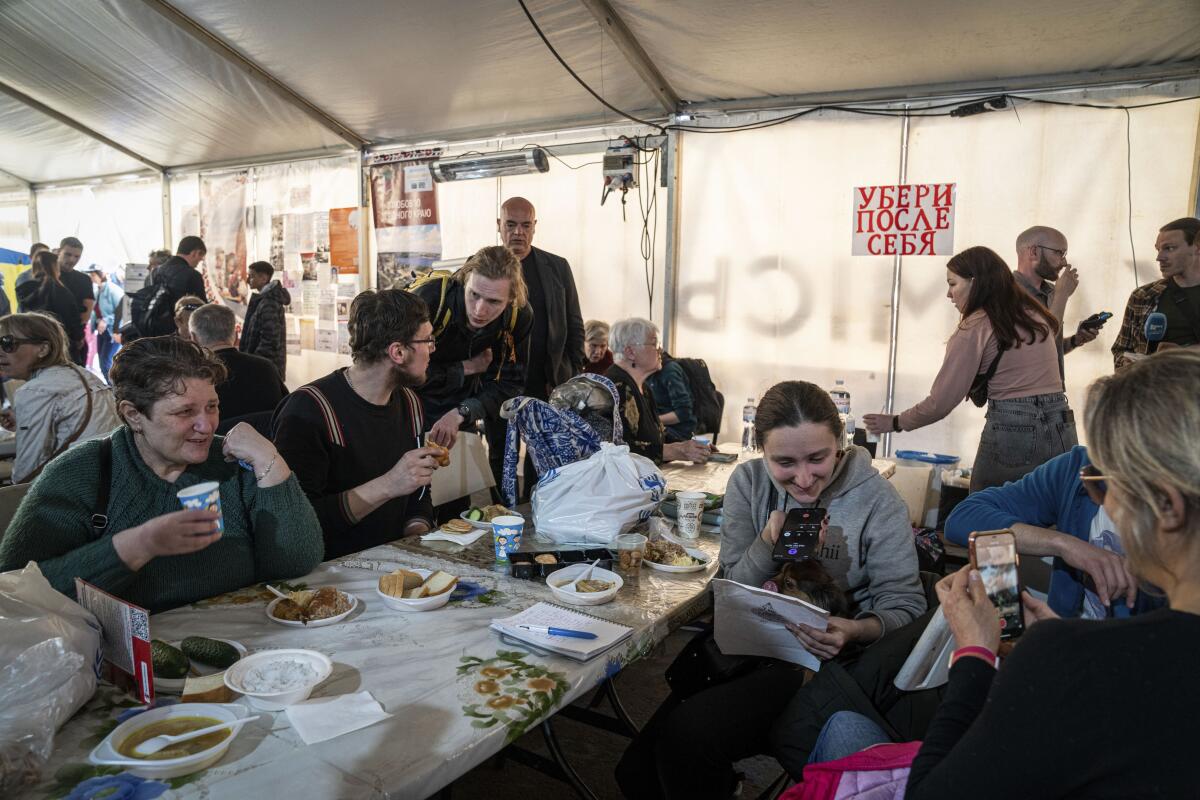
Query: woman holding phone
<point>867,549</point>
<point>1054,720</point>
<point>1003,352</point>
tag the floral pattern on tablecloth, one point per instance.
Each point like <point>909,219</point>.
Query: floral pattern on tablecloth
<point>508,690</point>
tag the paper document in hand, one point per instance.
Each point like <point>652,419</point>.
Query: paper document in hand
<point>751,622</point>
<point>928,665</point>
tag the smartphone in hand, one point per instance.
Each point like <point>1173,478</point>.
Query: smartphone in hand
<point>1097,320</point>
<point>994,554</point>
<point>801,535</point>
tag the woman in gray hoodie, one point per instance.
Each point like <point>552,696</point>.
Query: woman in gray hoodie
<point>691,743</point>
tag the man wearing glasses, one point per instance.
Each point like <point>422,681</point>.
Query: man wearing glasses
<point>1057,510</point>
<point>1043,271</point>
<point>353,437</point>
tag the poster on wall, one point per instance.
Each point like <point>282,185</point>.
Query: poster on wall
<point>404,203</point>
<point>223,214</point>
<point>343,239</point>
<point>908,220</point>
<point>278,222</point>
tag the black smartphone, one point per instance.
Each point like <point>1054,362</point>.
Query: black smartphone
<point>994,554</point>
<point>1096,320</point>
<point>801,535</point>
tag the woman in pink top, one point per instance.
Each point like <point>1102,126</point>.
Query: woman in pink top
<point>1002,350</point>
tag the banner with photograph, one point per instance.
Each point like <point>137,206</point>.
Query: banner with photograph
<point>223,224</point>
<point>405,211</point>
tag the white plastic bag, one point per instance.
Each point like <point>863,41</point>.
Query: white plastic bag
<point>49,656</point>
<point>592,500</point>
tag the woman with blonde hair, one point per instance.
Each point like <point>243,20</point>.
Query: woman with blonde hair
<point>595,347</point>
<point>60,404</point>
<point>184,307</point>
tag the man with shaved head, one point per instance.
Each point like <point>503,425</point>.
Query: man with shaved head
<point>556,341</point>
<point>1043,271</point>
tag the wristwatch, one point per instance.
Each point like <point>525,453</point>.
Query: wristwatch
<point>896,423</point>
<point>465,412</point>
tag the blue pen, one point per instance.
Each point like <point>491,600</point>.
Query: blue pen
<point>558,631</point>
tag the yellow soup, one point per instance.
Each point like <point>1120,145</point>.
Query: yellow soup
<point>174,727</point>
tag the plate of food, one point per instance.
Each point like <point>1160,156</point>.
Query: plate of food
<point>176,663</point>
<point>481,516</point>
<point>416,589</point>
<point>667,556</point>
<point>312,608</point>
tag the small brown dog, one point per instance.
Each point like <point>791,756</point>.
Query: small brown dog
<point>809,581</point>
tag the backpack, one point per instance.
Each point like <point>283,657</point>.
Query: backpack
<point>441,318</point>
<point>152,309</point>
<point>707,402</point>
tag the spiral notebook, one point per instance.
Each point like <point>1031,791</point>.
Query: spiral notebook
<point>552,616</point>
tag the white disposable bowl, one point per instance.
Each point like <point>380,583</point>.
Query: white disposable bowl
<point>422,604</point>
<point>567,574</point>
<point>106,754</point>
<point>277,701</point>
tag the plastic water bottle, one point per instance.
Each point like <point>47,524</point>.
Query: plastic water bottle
<point>841,398</point>
<point>748,413</point>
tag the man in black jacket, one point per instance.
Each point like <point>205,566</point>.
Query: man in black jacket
<point>556,341</point>
<point>264,332</point>
<point>182,270</point>
<point>482,324</point>
<point>253,385</point>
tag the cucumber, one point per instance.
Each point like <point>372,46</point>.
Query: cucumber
<point>210,652</point>
<point>475,514</point>
<point>168,661</point>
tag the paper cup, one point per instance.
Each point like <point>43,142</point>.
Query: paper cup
<point>203,497</point>
<point>690,512</point>
<point>506,535</point>
<point>703,439</point>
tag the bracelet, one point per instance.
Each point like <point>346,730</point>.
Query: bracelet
<point>975,651</point>
<point>270,466</point>
<point>896,423</point>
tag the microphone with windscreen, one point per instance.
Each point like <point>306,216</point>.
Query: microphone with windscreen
<point>1155,329</point>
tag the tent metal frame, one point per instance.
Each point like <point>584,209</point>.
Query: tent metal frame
<point>612,24</point>
<point>220,48</point>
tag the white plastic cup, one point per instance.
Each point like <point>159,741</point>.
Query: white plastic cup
<point>203,497</point>
<point>703,439</point>
<point>690,513</point>
<point>506,535</point>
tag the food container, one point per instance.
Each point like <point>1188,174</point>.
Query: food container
<point>584,598</point>
<point>277,701</point>
<point>526,566</point>
<point>420,604</point>
<point>105,753</point>
<point>630,549</point>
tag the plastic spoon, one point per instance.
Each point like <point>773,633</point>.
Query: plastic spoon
<point>156,743</point>
<point>572,586</point>
<point>277,593</point>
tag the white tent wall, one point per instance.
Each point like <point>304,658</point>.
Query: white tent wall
<point>118,222</point>
<point>767,290</point>
<point>14,221</point>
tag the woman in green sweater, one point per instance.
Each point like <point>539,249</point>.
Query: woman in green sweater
<point>151,552</point>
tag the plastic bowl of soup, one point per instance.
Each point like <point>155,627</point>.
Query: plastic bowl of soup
<point>183,758</point>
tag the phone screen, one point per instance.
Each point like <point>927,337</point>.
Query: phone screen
<point>801,535</point>
<point>995,557</point>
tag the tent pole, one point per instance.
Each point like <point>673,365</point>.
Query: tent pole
<point>35,233</point>
<point>897,263</point>
<point>166,211</point>
<point>70,122</point>
<point>674,150</point>
<point>612,24</point>
<point>220,48</point>
<point>364,227</point>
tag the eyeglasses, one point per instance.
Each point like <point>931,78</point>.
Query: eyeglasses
<point>190,306</point>
<point>1095,484</point>
<point>9,344</point>
<point>1061,253</point>
<point>431,342</point>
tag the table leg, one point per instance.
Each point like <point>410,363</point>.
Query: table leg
<point>622,725</point>
<point>569,773</point>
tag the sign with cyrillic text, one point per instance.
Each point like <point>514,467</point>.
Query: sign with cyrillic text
<point>909,220</point>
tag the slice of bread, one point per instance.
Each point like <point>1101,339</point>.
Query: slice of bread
<point>440,582</point>
<point>206,689</point>
<point>395,584</point>
<point>417,593</point>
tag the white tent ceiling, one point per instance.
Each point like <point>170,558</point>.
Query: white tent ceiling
<point>386,71</point>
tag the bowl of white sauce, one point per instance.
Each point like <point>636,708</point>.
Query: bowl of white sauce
<point>274,679</point>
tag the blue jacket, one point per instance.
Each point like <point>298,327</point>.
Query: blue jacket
<point>1050,496</point>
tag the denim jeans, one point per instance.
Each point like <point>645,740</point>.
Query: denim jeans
<point>1020,435</point>
<point>845,733</point>
<point>106,348</point>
